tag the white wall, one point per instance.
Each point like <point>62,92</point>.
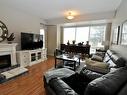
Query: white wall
<point>58,36</point>
<point>121,16</point>
<point>51,39</point>
<point>89,17</point>
<point>17,22</point>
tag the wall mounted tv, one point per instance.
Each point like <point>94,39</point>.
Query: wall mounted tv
<point>30,41</point>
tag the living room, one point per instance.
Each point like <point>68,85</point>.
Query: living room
<point>48,22</point>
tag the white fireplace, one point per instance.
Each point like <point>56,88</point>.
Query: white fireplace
<point>9,49</point>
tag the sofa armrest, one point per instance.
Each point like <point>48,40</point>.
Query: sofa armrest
<point>60,87</point>
<point>109,84</point>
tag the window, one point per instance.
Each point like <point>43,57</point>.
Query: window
<point>124,34</point>
<point>97,36</point>
<point>82,34</point>
<point>115,35</point>
<point>69,34</point>
<point>42,32</point>
<point>94,34</point>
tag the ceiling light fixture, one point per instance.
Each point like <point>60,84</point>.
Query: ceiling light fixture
<point>70,16</point>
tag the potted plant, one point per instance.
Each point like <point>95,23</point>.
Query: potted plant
<point>73,42</point>
<point>68,43</point>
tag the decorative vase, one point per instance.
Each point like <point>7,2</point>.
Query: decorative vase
<point>9,42</point>
<point>73,42</point>
<point>10,38</point>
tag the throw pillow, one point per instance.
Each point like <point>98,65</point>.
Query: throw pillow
<point>119,61</point>
<point>114,57</point>
<point>106,58</point>
<point>111,63</point>
<point>102,54</point>
<point>97,58</point>
<point>100,67</point>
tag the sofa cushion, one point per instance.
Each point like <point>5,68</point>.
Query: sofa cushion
<point>102,54</point>
<point>97,58</point>
<point>111,64</point>
<point>106,58</point>
<point>108,84</point>
<point>114,57</point>
<point>119,61</point>
<point>108,55</point>
<point>110,52</point>
<point>89,75</point>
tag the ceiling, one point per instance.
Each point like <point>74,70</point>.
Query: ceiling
<point>50,9</point>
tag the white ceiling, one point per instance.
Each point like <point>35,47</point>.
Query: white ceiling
<point>49,9</point>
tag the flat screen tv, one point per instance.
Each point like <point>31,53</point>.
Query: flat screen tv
<point>30,41</point>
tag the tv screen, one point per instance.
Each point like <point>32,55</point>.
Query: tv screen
<point>31,41</point>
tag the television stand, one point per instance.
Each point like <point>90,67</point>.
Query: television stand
<point>30,57</point>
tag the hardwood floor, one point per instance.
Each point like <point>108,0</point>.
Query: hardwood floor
<point>30,83</point>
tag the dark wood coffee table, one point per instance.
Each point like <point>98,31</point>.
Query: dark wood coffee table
<point>65,57</point>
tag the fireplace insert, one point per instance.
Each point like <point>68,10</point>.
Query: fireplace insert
<point>5,61</point>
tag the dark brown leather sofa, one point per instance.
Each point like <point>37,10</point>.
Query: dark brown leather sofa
<point>113,83</point>
<point>89,82</point>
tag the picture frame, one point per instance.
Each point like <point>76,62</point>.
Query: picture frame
<point>124,33</point>
<point>115,37</point>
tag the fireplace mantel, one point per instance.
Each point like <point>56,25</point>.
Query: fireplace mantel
<point>9,49</point>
